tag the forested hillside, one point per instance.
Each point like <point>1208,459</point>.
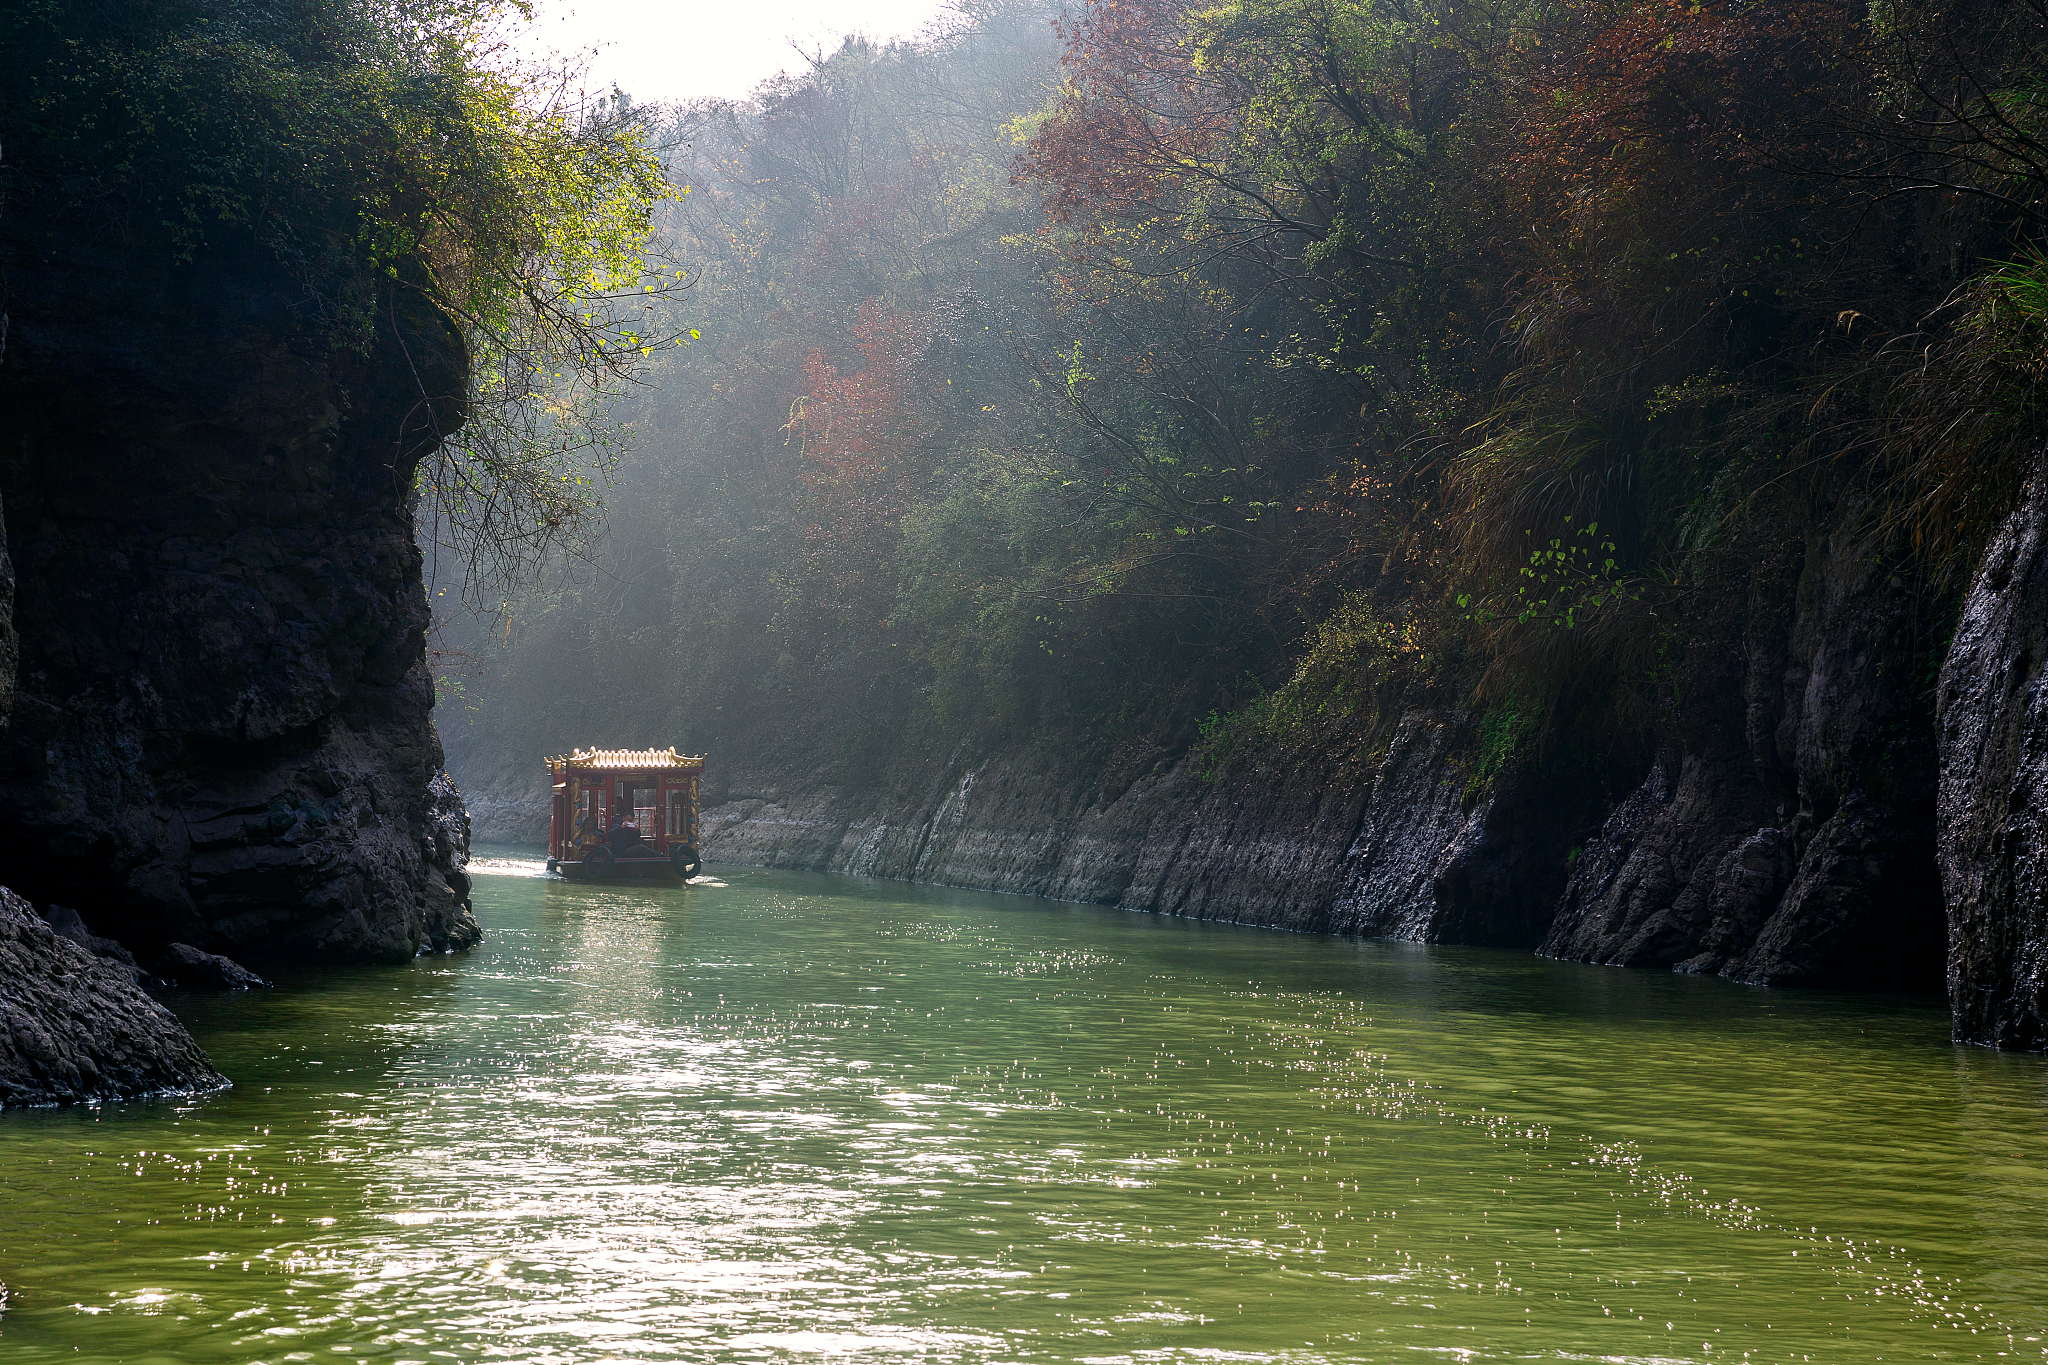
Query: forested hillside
<point>1629,387</point>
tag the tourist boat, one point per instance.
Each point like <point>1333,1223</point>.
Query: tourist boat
<point>596,788</point>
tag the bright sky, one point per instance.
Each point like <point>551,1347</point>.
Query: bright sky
<point>664,50</point>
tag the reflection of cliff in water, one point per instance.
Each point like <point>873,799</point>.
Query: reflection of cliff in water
<point>1998,1120</point>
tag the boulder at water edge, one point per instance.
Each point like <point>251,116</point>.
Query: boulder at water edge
<point>75,1028</point>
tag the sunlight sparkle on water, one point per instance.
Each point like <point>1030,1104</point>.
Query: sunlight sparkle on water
<point>775,1117</point>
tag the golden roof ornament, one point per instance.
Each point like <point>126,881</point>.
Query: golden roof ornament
<point>624,760</point>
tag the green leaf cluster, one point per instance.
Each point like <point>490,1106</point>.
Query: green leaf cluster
<point>375,147</point>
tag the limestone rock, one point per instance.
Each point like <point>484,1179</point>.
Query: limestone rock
<point>1782,837</point>
<point>68,923</point>
<point>184,965</point>
<point>1413,819</point>
<point>220,732</point>
<point>448,822</point>
<point>75,1028</point>
<point>1993,809</point>
<point>1643,893</point>
<point>1345,835</point>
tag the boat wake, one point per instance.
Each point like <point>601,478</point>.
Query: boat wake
<point>538,867</point>
<point>508,867</point>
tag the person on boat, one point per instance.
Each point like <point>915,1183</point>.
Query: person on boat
<point>625,834</point>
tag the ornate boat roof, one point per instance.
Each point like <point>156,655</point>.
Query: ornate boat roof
<point>624,760</point>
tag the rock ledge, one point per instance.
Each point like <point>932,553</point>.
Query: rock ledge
<point>76,1029</point>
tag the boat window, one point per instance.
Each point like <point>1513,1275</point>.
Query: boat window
<point>643,809</point>
<point>678,812</point>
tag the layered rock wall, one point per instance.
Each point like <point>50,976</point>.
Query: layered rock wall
<point>1369,830</point>
<point>1783,836</point>
<point>1783,831</point>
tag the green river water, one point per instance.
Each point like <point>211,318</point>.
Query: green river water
<point>778,1117</point>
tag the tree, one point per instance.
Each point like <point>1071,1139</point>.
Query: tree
<point>378,148</point>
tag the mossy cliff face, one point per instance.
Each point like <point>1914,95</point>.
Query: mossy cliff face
<point>220,730</point>
<point>1779,829</point>
<point>1362,828</point>
<point>1806,818</point>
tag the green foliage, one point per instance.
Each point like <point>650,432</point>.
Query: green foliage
<point>977,602</point>
<point>1354,669</point>
<point>1572,574</point>
<point>2024,286</point>
<point>1569,576</point>
<point>1315,358</point>
<point>1963,413</point>
<point>452,697</point>
<point>376,147</point>
<point>1508,733</point>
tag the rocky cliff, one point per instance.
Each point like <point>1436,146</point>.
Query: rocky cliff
<point>1781,832</point>
<point>220,731</point>
<point>1784,836</point>
<point>1994,788</point>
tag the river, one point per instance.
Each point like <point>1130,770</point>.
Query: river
<point>782,1117</point>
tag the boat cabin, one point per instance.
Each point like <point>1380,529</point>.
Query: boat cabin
<point>623,812</point>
